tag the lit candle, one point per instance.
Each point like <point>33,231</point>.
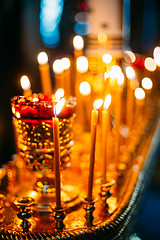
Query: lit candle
<point>85,103</point>
<point>147,84</point>
<point>107,83</point>
<point>82,67</point>
<point>58,108</point>
<point>57,161</point>
<point>150,64</point>
<point>140,98</point>
<point>105,131</point>
<point>58,74</point>
<point>156,55</point>
<point>67,75</point>
<point>94,119</point>
<point>44,73</point>
<point>107,58</point>
<point>26,86</point>
<point>118,106</point>
<point>78,45</point>
<point>130,96</point>
<point>59,94</point>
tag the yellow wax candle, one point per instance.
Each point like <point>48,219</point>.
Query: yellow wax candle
<point>85,104</point>
<point>130,95</point>
<point>118,106</point>
<point>82,67</point>
<point>67,75</point>
<point>94,119</point>
<point>26,86</point>
<point>78,45</point>
<point>105,131</point>
<point>57,161</point>
<point>58,74</point>
<point>45,73</point>
<point>140,100</point>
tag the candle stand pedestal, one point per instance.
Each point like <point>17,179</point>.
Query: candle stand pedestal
<point>24,205</point>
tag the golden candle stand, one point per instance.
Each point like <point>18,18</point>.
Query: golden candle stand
<point>83,220</point>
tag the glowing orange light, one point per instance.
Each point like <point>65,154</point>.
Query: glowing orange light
<point>78,42</point>
<point>85,88</point>
<point>59,94</point>
<point>157,59</point>
<point>57,66</point>
<point>66,63</point>
<point>59,106</point>
<point>156,51</point>
<point>147,83</point>
<point>42,58</point>
<point>130,73</point>
<point>130,55</point>
<point>13,110</point>
<point>107,101</point>
<point>115,71</point>
<point>97,103</point>
<point>82,64</point>
<point>120,79</point>
<point>35,99</point>
<point>139,94</point>
<point>107,58</point>
<point>106,75</point>
<point>150,64</point>
<point>25,83</point>
<point>18,115</point>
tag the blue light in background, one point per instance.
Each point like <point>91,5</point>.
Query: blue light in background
<point>82,28</point>
<point>50,16</point>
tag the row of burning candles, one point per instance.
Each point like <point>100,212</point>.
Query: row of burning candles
<point>81,67</point>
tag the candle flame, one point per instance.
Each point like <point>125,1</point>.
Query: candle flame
<point>106,75</point>
<point>85,88</point>
<point>18,115</point>
<point>156,51</point>
<point>130,55</point>
<point>150,64</point>
<point>139,94</point>
<point>78,42</point>
<point>13,110</point>
<point>35,99</point>
<point>147,83</point>
<point>115,71</point>
<point>58,107</point>
<point>130,73</point>
<point>107,101</point>
<point>157,59</point>
<point>107,58</point>
<point>57,66</point>
<point>42,58</point>
<point>82,64</point>
<point>156,55</point>
<point>66,63</point>
<point>120,79</point>
<point>25,83</point>
<point>59,94</point>
<point>98,103</point>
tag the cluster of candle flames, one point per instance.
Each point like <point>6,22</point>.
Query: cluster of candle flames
<point>112,76</point>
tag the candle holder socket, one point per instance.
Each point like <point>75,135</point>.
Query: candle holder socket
<point>89,207</point>
<point>24,205</point>
<point>106,192</point>
<point>59,216</point>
